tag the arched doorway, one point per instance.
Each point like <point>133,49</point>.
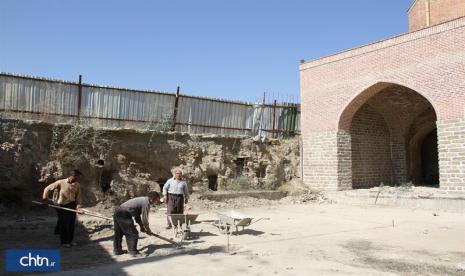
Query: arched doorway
<point>429,160</point>
<point>393,138</point>
<point>423,155</point>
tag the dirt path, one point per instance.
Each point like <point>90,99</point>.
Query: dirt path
<point>313,239</point>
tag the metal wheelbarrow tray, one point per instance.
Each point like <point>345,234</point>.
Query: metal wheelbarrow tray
<point>231,219</point>
<point>182,224</point>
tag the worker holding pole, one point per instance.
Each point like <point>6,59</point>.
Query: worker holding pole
<point>137,208</point>
<point>66,194</point>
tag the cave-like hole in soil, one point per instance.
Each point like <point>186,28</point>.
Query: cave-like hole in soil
<point>261,171</point>
<point>213,182</point>
<point>239,166</point>
<point>105,180</point>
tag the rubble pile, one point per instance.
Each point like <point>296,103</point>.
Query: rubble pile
<point>305,197</point>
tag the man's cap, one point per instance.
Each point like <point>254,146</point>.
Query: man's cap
<point>76,173</point>
<point>153,194</point>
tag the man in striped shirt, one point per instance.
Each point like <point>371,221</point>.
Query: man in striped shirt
<point>176,194</point>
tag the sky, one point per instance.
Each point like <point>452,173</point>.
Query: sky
<point>228,49</point>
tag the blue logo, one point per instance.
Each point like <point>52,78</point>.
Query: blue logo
<point>32,260</point>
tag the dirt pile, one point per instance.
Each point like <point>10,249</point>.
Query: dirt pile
<point>121,163</point>
<point>305,197</point>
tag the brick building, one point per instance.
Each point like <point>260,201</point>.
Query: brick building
<point>392,111</point>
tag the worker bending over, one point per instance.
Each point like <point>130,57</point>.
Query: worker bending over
<point>137,208</point>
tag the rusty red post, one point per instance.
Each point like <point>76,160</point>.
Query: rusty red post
<point>175,112</point>
<point>79,98</point>
<point>274,118</point>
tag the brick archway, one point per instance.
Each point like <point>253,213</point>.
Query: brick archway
<point>333,88</point>
<point>383,129</point>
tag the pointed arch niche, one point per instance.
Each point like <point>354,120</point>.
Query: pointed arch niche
<point>391,138</point>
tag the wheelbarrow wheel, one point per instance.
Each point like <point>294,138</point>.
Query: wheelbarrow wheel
<point>185,235</point>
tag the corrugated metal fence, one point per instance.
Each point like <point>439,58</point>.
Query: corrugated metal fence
<point>27,97</point>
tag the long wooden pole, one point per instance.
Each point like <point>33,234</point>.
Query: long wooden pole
<point>99,216</point>
<point>72,210</point>
<point>166,239</point>
<point>90,213</point>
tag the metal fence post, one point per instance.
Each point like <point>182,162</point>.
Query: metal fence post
<point>274,118</point>
<point>175,112</point>
<point>293,119</point>
<point>79,98</point>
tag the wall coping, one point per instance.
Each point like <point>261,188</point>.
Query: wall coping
<point>383,44</point>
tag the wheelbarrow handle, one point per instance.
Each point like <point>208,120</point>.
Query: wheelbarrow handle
<point>259,220</point>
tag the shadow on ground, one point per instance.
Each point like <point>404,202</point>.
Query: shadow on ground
<point>34,230</point>
<point>118,268</point>
<point>366,252</point>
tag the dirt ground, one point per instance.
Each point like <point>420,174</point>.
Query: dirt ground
<point>320,237</point>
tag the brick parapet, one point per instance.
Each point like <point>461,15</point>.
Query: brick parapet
<point>385,43</point>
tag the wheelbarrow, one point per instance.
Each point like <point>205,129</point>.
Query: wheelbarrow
<point>231,219</point>
<point>182,224</point>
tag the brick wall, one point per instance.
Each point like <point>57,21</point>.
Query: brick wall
<point>417,16</point>
<point>399,161</point>
<point>439,11</point>
<point>451,143</point>
<point>371,153</point>
<point>430,62</point>
<point>320,159</point>
<point>344,160</point>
